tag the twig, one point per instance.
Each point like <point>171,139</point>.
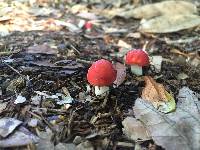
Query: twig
<point>188,40</point>
<point>15,70</point>
<point>84,61</point>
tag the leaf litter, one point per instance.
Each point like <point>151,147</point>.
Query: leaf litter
<point>163,8</point>
<point>175,130</point>
<point>47,63</point>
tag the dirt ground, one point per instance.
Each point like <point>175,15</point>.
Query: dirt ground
<point>94,119</point>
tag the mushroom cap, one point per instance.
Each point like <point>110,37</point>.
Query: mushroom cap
<point>137,57</point>
<point>101,73</point>
<point>88,25</point>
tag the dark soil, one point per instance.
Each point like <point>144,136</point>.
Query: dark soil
<point>96,119</point>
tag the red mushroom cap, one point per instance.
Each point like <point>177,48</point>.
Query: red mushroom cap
<point>101,73</point>
<point>88,25</point>
<point>137,57</point>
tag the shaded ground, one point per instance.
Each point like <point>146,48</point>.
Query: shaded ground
<point>88,117</point>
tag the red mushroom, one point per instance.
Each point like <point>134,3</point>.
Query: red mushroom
<point>101,74</point>
<point>137,59</point>
<point>88,26</point>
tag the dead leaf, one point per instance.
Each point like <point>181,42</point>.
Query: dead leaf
<point>64,146</point>
<point>163,8</point>
<point>114,30</point>
<point>176,130</point>
<point>87,15</point>
<point>110,13</point>
<point>41,49</point>
<point>169,23</point>
<point>156,61</point>
<point>124,44</point>
<point>33,122</point>
<point>70,26</point>
<point>135,129</point>
<point>121,74</point>
<point>8,125</point>
<point>182,76</point>
<point>156,94</point>
<point>136,35</point>
<point>45,140</point>
<point>20,99</point>
<point>44,12</point>
<point>21,137</point>
<point>79,8</point>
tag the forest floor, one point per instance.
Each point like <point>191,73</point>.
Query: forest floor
<point>43,75</point>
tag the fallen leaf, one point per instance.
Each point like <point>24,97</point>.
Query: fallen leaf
<point>8,125</point>
<point>66,97</point>
<point>64,146</point>
<point>169,23</point>
<point>45,140</point>
<point>195,61</point>
<point>110,13</point>
<point>79,8</point>
<point>33,122</point>
<point>121,74</point>
<point>182,76</point>
<point>4,18</point>
<point>134,129</point>
<point>85,145</point>
<point>163,8</point>
<point>43,12</point>
<point>176,130</point>
<point>21,137</point>
<point>20,99</point>
<point>156,61</point>
<point>124,44</point>
<point>114,30</point>
<point>41,49</point>
<point>156,94</point>
<point>136,35</point>
<point>87,15</point>
<point>70,26</point>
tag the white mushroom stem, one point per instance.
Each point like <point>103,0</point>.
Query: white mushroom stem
<point>101,90</point>
<point>137,70</point>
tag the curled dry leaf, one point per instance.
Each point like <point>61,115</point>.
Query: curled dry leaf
<point>121,74</point>
<point>163,8</point>
<point>169,23</point>
<point>156,94</point>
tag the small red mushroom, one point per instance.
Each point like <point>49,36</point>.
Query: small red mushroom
<point>137,59</point>
<point>101,74</point>
<point>88,26</point>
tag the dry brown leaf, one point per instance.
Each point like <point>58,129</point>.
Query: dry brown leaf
<point>163,8</point>
<point>121,74</point>
<point>153,92</point>
<point>169,23</point>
